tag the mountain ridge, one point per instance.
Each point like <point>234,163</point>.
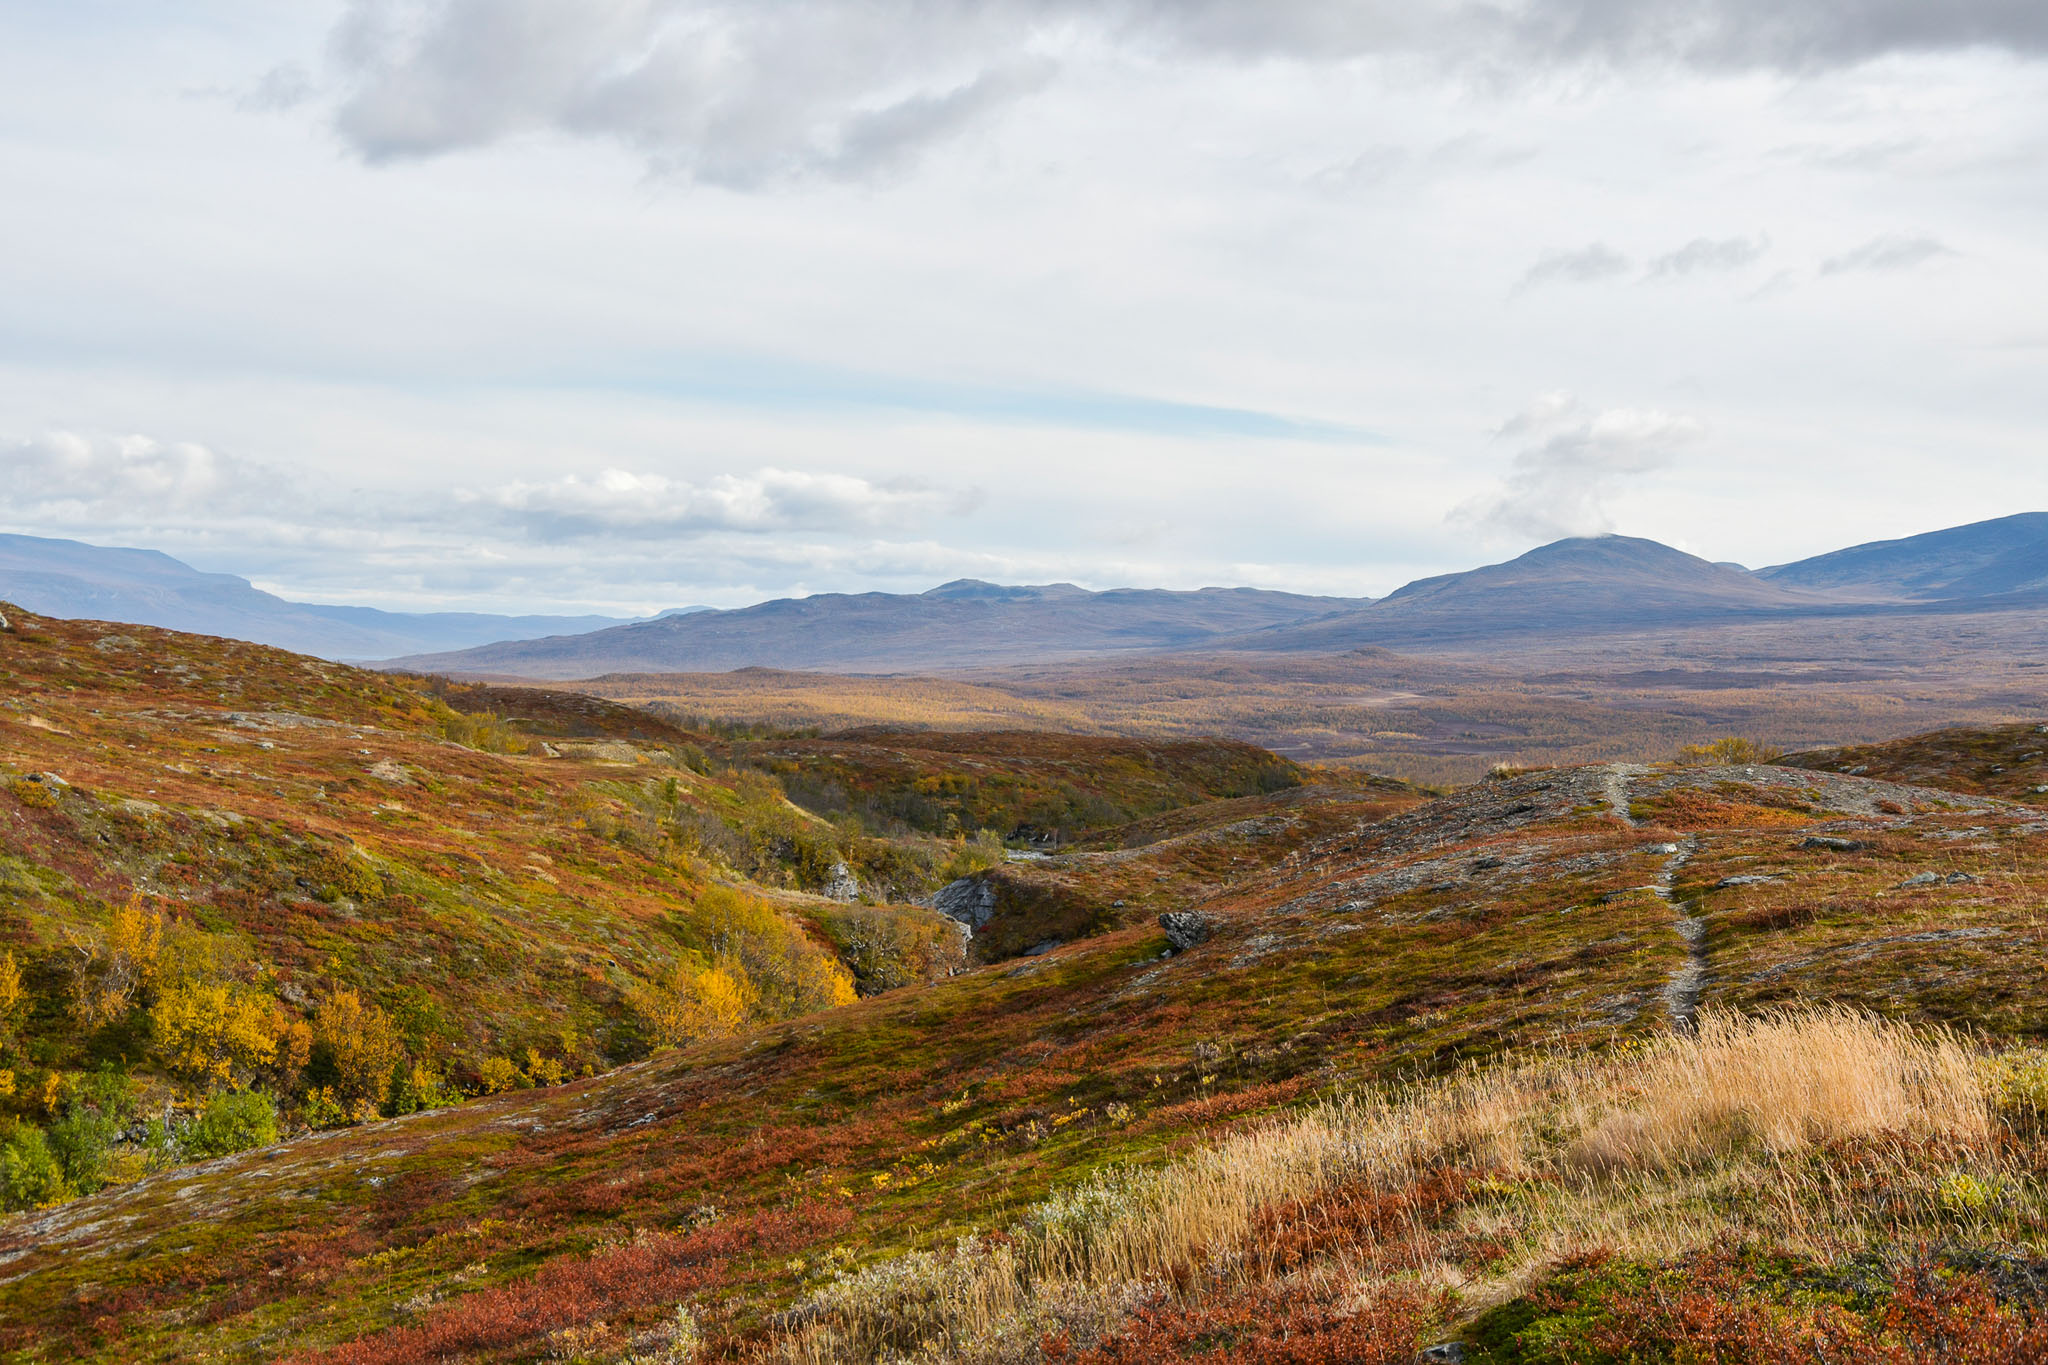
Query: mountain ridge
<point>1980,559</point>
<point>957,623</point>
<point>70,578</point>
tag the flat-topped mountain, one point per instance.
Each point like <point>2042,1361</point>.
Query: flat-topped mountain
<point>963,623</point>
<point>1983,559</point>
<point>69,578</point>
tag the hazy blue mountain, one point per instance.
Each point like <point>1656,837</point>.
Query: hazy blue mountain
<point>1983,559</point>
<point>143,587</point>
<point>958,624</point>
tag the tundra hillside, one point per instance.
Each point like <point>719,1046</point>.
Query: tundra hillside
<point>244,892</point>
<point>1325,1072</point>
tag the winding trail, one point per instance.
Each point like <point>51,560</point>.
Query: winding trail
<point>1682,992</point>
<point>1614,786</point>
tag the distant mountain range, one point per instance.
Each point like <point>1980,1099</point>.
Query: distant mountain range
<point>960,624</point>
<point>1579,586</point>
<point>145,588</point>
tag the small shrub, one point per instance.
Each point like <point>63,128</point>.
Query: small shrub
<point>340,872</point>
<point>31,1176</point>
<point>233,1121</point>
<point>214,1034</point>
<point>543,1070</point>
<point>1729,751</point>
<point>324,1109</point>
<point>82,1139</point>
<point>498,1075</point>
<point>13,995</point>
<point>354,1049</point>
<point>36,795</point>
<point>114,969</point>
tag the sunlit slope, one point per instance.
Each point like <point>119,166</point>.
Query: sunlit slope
<point>1578,907</point>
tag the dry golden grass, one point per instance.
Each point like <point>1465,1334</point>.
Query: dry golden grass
<point>1664,1150</point>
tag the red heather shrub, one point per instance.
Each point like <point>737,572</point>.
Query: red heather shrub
<point>1276,1325</point>
<point>1715,1315</point>
<point>659,1268</point>
<point>1357,1217</point>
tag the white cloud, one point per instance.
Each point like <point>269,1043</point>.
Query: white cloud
<point>1558,484</point>
<point>620,502</point>
<point>74,477</point>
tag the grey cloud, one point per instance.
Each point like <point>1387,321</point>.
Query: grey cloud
<point>748,92</point>
<point>1706,255</point>
<point>1581,265</point>
<point>1768,34</point>
<point>1558,483</point>
<point>1888,253</point>
<point>724,91</point>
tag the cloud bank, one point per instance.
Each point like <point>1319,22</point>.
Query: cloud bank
<point>742,93</point>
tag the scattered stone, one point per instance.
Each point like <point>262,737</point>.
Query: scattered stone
<point>1185,928</point>
<point>1116,905</point>
<point>2041,791</point>
<point>388,771</point>
<point>4,623</point>
<point>1961,879</point>
<point>1857,771</point>
<point>1920,879</point>
<point>50,778</point>
<point>1447,1353</point>
<point>1747,879</point>
<point>1832,844</point>
<point>1041,949</point>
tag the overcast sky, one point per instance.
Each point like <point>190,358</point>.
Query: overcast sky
<point>623,304</point>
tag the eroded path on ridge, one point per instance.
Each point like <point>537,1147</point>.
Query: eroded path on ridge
<point>1682,992</point>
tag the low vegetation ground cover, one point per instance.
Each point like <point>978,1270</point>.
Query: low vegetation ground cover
<point>236,880</point>
<point>1721,1059</point>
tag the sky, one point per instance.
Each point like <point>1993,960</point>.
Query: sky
<point>620,305</point>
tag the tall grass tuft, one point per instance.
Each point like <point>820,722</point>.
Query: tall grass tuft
<point>1672,1145</point>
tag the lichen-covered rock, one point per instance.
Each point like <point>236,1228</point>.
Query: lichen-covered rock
<point>843,886</point>
<point>970,900</point>
<point>1185,928</point>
